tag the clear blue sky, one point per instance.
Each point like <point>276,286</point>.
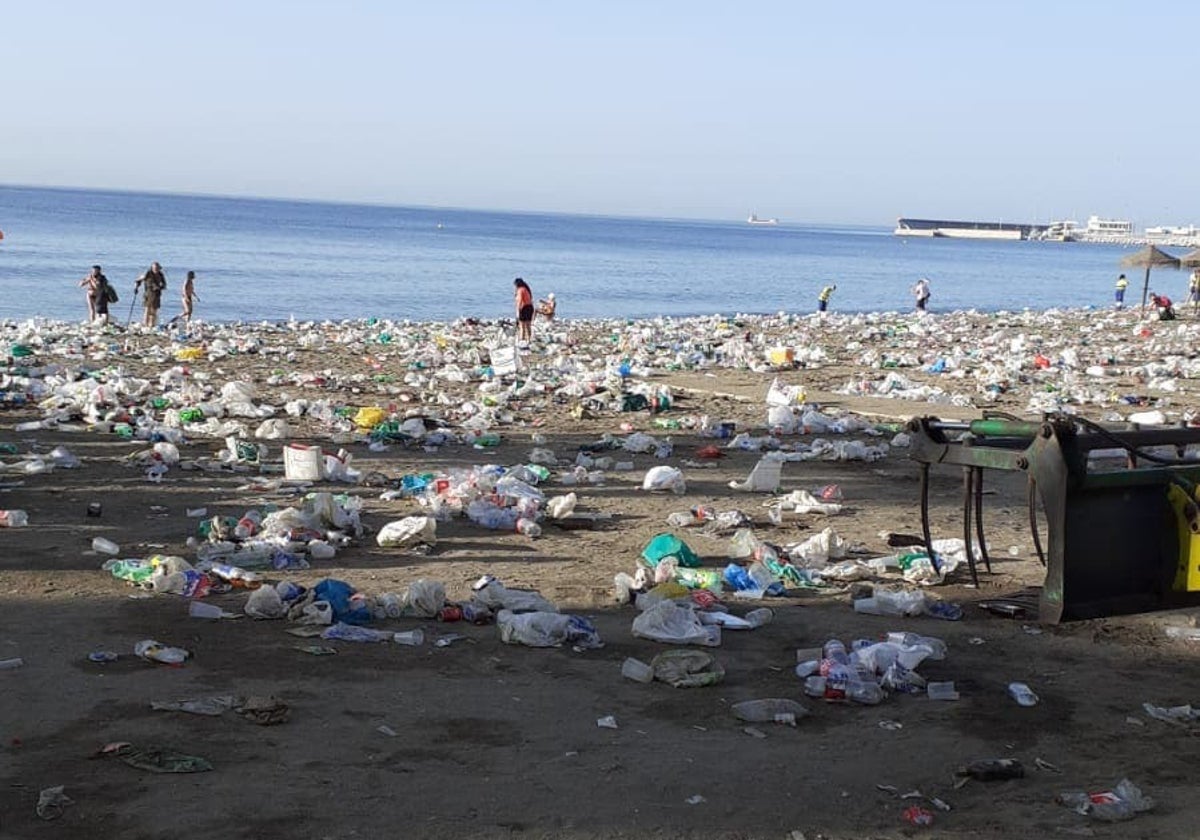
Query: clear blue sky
<point>809,111</point>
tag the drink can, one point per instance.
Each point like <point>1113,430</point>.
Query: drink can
<point>451,613</point>
<point>476,613</point>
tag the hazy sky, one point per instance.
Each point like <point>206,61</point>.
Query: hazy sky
<point>805,110</point>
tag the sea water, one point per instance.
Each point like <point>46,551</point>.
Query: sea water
<point>260,259</point>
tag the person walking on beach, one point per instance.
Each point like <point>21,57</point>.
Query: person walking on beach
<point>920,291</point>
<point>1119,294</point>
<point>155,282</point>
<point>824,296</point>
<point>523,298</point>
<point>189,296</point>
<point>1194,290</point>
<point>96,291</point>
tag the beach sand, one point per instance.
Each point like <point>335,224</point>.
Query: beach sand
<point>485,739</point>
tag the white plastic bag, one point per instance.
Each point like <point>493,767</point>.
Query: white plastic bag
<point>546,629</point>
<point>411,530</point>
<point>665,478</point>
<point>669,622</point>
<point>497,596</point>
<point>560,507</point>
<point>264,602</point>
<point>273,429</point>
<point>764,478</point>
<point>424,598</point>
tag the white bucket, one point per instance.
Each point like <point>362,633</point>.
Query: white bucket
<point>302,463</point>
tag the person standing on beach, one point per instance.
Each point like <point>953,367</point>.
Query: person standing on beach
<point>96,291</point>
<point>1119,294</point>
<point>920,291</point>
<point>155,282</point>
<point>823,298</point>
<point>1194,290</point>
<point>523,298</point>
<point>189,296</point>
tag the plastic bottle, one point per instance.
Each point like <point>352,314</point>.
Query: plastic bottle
<point>681,519</point>
<point>248,525</point>
<point>936,646</point>
<point>529,528</point>
<point>13,519</point>
<point>236,576</point>
<point>134,571</point>
<point>770,710</point>
<point>866,692</point>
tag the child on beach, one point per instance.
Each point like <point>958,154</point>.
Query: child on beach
<point>1119,295</point>
<point>823,298</point>
<point>189,296</point>
<point>523,298</point>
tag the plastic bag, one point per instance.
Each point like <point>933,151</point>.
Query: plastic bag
<point>408,531</point>
<point>560,507</point>
<point>687,668</point>
<point>264,602</point>
<point>667,621</point>
<point>764,478</point>
<point>663,546</point>
<point>495,595</point>
<point>546,629</point>
<point>665,478</point>
<point>273,429</point>
<point>424,598</point>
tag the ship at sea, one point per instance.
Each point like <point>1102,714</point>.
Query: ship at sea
<point>754,220</point>
<point>966,230</point>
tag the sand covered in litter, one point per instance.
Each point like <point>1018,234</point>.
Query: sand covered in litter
<point>496,740</point>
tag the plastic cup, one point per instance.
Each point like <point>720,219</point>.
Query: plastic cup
<point>103,546</point>
<point>636,670</point>
<point>199,609</point>
<point>409,637</point>
<point>941,691</point>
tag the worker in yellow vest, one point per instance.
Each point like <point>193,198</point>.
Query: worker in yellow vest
<point>823,298</point>
<point>1122,284</point>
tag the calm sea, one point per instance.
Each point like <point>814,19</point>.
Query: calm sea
<point>260,259</point>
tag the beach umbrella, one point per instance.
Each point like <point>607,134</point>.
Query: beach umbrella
<point>1147,258</point>
<point>1191,259</point>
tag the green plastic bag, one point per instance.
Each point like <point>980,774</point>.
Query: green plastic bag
<point>663,546</point>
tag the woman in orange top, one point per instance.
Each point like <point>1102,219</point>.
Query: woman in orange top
<point>524,302</point>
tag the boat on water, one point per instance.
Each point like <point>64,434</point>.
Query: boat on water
<point>754,220</point>
<point>965,230</point>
